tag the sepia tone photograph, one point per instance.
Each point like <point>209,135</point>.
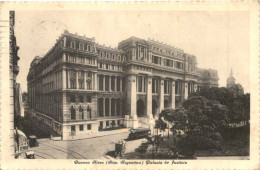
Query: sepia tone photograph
<point>122,85</point>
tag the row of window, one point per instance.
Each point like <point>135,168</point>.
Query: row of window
<point>81,60</point>
<point>81,127</point>
<point>81,46</point>
<point>80,99</point>
<point>110,67</point>
<point>167,62</point>
<point>110,56</point>
<point>115,83</point>
<point>81,114</point>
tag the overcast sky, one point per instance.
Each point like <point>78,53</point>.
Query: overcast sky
<point>219,40</point>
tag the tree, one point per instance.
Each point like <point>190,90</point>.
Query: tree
<point>199,120</point>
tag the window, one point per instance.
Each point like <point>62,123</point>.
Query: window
<point>107,123</point>
<point>81,60</point>
<point>81,127</point>
<point>118,83</point>
<point>73,45</point>
<point>166,87</point>
<point>73,114</point>
<point>72,98</point>
<point>88,99</point>
<point>89,126</point>
<point>101,125</point>
<point>72,84</point>
<point>72,128</point>
<point>100,107</point>
<point>100,65</point>
<point>100,82</point>
<point>81,84</point>
<point>88,48</point>
<point>67,57</point>
<point>118,122</point>
<point>168,63</point>
<point>81,99</point>
<point>106,107</point>
<point>156,60</point>
<point>81,46</point>
<point>107,83</point>
<point>107,66</point>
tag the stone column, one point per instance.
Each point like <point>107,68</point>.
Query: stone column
<point>186,90</point>
<point>131,117</point>
<point>161,95</point>
<point>95,82</point>
<point>68,72</point>
<point>115,83</point>
<point>109,83</point>
<point>149,97</point>
<point>115,106</point>
<point>92,81</point>
<point>104,83</point>
<point>64,57</point>
<point>64,79</point>
<point>77,81</point>
<point>173,94</point>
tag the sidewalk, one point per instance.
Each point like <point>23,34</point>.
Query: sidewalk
<point>93,135</point>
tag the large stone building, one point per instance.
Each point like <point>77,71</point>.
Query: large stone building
<point>82,86</point>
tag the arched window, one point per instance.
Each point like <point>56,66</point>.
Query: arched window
<point>72,84</point>
<point>89,116</point>
<point>72,114</point>
<point>81,113</point>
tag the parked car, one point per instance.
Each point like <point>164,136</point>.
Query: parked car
<point>29,155</point>
<point>139,133</point>
<point>33,141</point>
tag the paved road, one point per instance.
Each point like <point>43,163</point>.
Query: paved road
<point>92,148</point>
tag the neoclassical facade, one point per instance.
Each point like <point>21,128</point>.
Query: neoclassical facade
<point>82,86</point>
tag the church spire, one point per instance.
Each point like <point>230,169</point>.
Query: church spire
<point>231,73</point>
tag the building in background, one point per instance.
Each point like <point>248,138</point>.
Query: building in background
<point>80,86</point>
<point>236,88</point>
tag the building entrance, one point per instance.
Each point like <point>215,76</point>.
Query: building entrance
<point>140,108</point>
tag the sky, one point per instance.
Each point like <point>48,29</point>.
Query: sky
<point>219,40</point>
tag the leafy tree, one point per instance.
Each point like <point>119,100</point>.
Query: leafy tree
<point>238,105</point>
<point>200,119</point>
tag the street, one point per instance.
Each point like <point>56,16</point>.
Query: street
<point>91,148</point>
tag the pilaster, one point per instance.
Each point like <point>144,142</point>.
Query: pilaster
<point>149,96</point>
<point>64,79</point>
<point>161,95</point>
<point>186,90</point>
<point>173,94</point>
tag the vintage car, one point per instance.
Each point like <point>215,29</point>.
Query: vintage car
<point>33,141</point>
<point>29,155</point>
<point>139,133</point>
